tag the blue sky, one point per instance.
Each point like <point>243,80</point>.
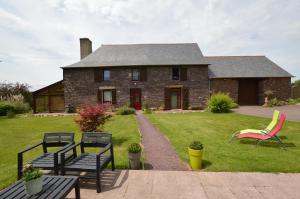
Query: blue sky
<point>37,37</point>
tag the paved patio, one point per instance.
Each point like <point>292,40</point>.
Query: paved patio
<point>292,111</point>
<point>187,184</point>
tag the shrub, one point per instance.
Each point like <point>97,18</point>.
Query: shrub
<point>125,110</point>
<point>10,114</point>
<point>21,107</point>
<point>93,118</point>
<point>30,173</point>
<point>146,108</point>
<point>5,106</point>
<point>70,109</point>
<point>15,106</point>
<point>221,103</point>
<point>161,107</point>
<point>293,101</point>
<point>275,102</point>
<point>196,145</point>
<point>134,148</point>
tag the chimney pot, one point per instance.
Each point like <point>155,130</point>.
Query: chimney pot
<point>85,47</point>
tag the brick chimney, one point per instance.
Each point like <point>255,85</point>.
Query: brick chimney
<point>85,47</point>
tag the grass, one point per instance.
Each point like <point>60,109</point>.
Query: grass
<point>21,132</point>
<point>214,131</point>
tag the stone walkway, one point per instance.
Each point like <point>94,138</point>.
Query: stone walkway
<point>292,111</point>
<point>159,153</point>
<point>187,184</point>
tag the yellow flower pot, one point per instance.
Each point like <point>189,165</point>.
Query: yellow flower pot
<point>195,158</point>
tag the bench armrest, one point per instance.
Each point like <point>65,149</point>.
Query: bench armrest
<point>66,147</point>
<point>30,148</point>
<point>20,158</point>
<point>106,148</point>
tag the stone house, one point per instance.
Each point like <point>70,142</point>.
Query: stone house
<point>173,76</point>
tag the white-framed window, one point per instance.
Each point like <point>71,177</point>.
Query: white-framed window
<point>107,96</point>
<point>136,74</point>
<point>106,75</point>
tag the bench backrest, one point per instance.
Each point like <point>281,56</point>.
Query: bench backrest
<point>94,139</point>
<point>58,139</point>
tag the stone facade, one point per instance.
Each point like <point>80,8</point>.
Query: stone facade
<point>230,86</point>
<point>81,89</point>
<point>281,87</point>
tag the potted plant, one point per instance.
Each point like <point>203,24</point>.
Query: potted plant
<point>195,153</point>
<point>33,180</point>
<point>134,155</point>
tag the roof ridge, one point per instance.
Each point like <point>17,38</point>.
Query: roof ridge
<point>132,44</point>
<point>237,56</point>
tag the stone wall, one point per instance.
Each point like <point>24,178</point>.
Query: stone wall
<point>230,86</point>
<point>281,87</point>
<point>81,89</point>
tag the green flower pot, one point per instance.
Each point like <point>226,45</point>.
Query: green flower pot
<point>195,158</point>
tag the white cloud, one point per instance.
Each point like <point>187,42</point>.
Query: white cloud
<point>37,37</point>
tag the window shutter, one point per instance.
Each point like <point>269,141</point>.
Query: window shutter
<point>183,74</point>
<point>167,99</point>
<point>99,96</point>
<point>98,75</point>
<point>185,100</point>
<point>114,96</point>
<point>143,74</point>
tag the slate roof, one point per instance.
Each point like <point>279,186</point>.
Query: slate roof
<point>243,67</point>
<point>143,54</point>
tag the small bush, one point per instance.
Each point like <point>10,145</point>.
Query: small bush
<point>148,111</point>
<point>10,114</point>
<point>30,173</point>
<point>70,109</point>
<point>125,110</point>
<point>92,118</point>
<point>146,108</point>
<point>5,106</point>
<point>134,148</point>
<point>161,107</point>
<point>293,101</point>
<point>196,145</point>
<point>275,102</point>
<point>21,107</point>
<point>15,106</point>
<point>221,103</point>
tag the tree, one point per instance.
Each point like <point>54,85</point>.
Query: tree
<point>8,90</point>
<point>296,83</point>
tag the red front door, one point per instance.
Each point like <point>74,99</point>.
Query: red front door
<point>135,98</point>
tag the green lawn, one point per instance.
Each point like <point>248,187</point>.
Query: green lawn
<point>18,133</point>
<point>214,131</point>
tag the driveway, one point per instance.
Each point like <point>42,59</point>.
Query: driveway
<point>292,111</point>
<point>152,184</point>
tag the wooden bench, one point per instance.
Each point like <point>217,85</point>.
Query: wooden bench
<point>49,160</point>
<point>87,162</point>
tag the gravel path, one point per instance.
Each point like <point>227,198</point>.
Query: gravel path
<point>292,111</point>
<point>159,153</point>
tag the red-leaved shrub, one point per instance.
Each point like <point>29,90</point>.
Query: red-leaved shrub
<point>92,118</point>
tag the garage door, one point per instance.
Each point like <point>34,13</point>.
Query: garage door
<point>248,92</point>
<point>57,103</point>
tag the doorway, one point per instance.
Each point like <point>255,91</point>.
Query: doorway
<point>136,98</point>
<point>176,98</point>
<point>248,92</point>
